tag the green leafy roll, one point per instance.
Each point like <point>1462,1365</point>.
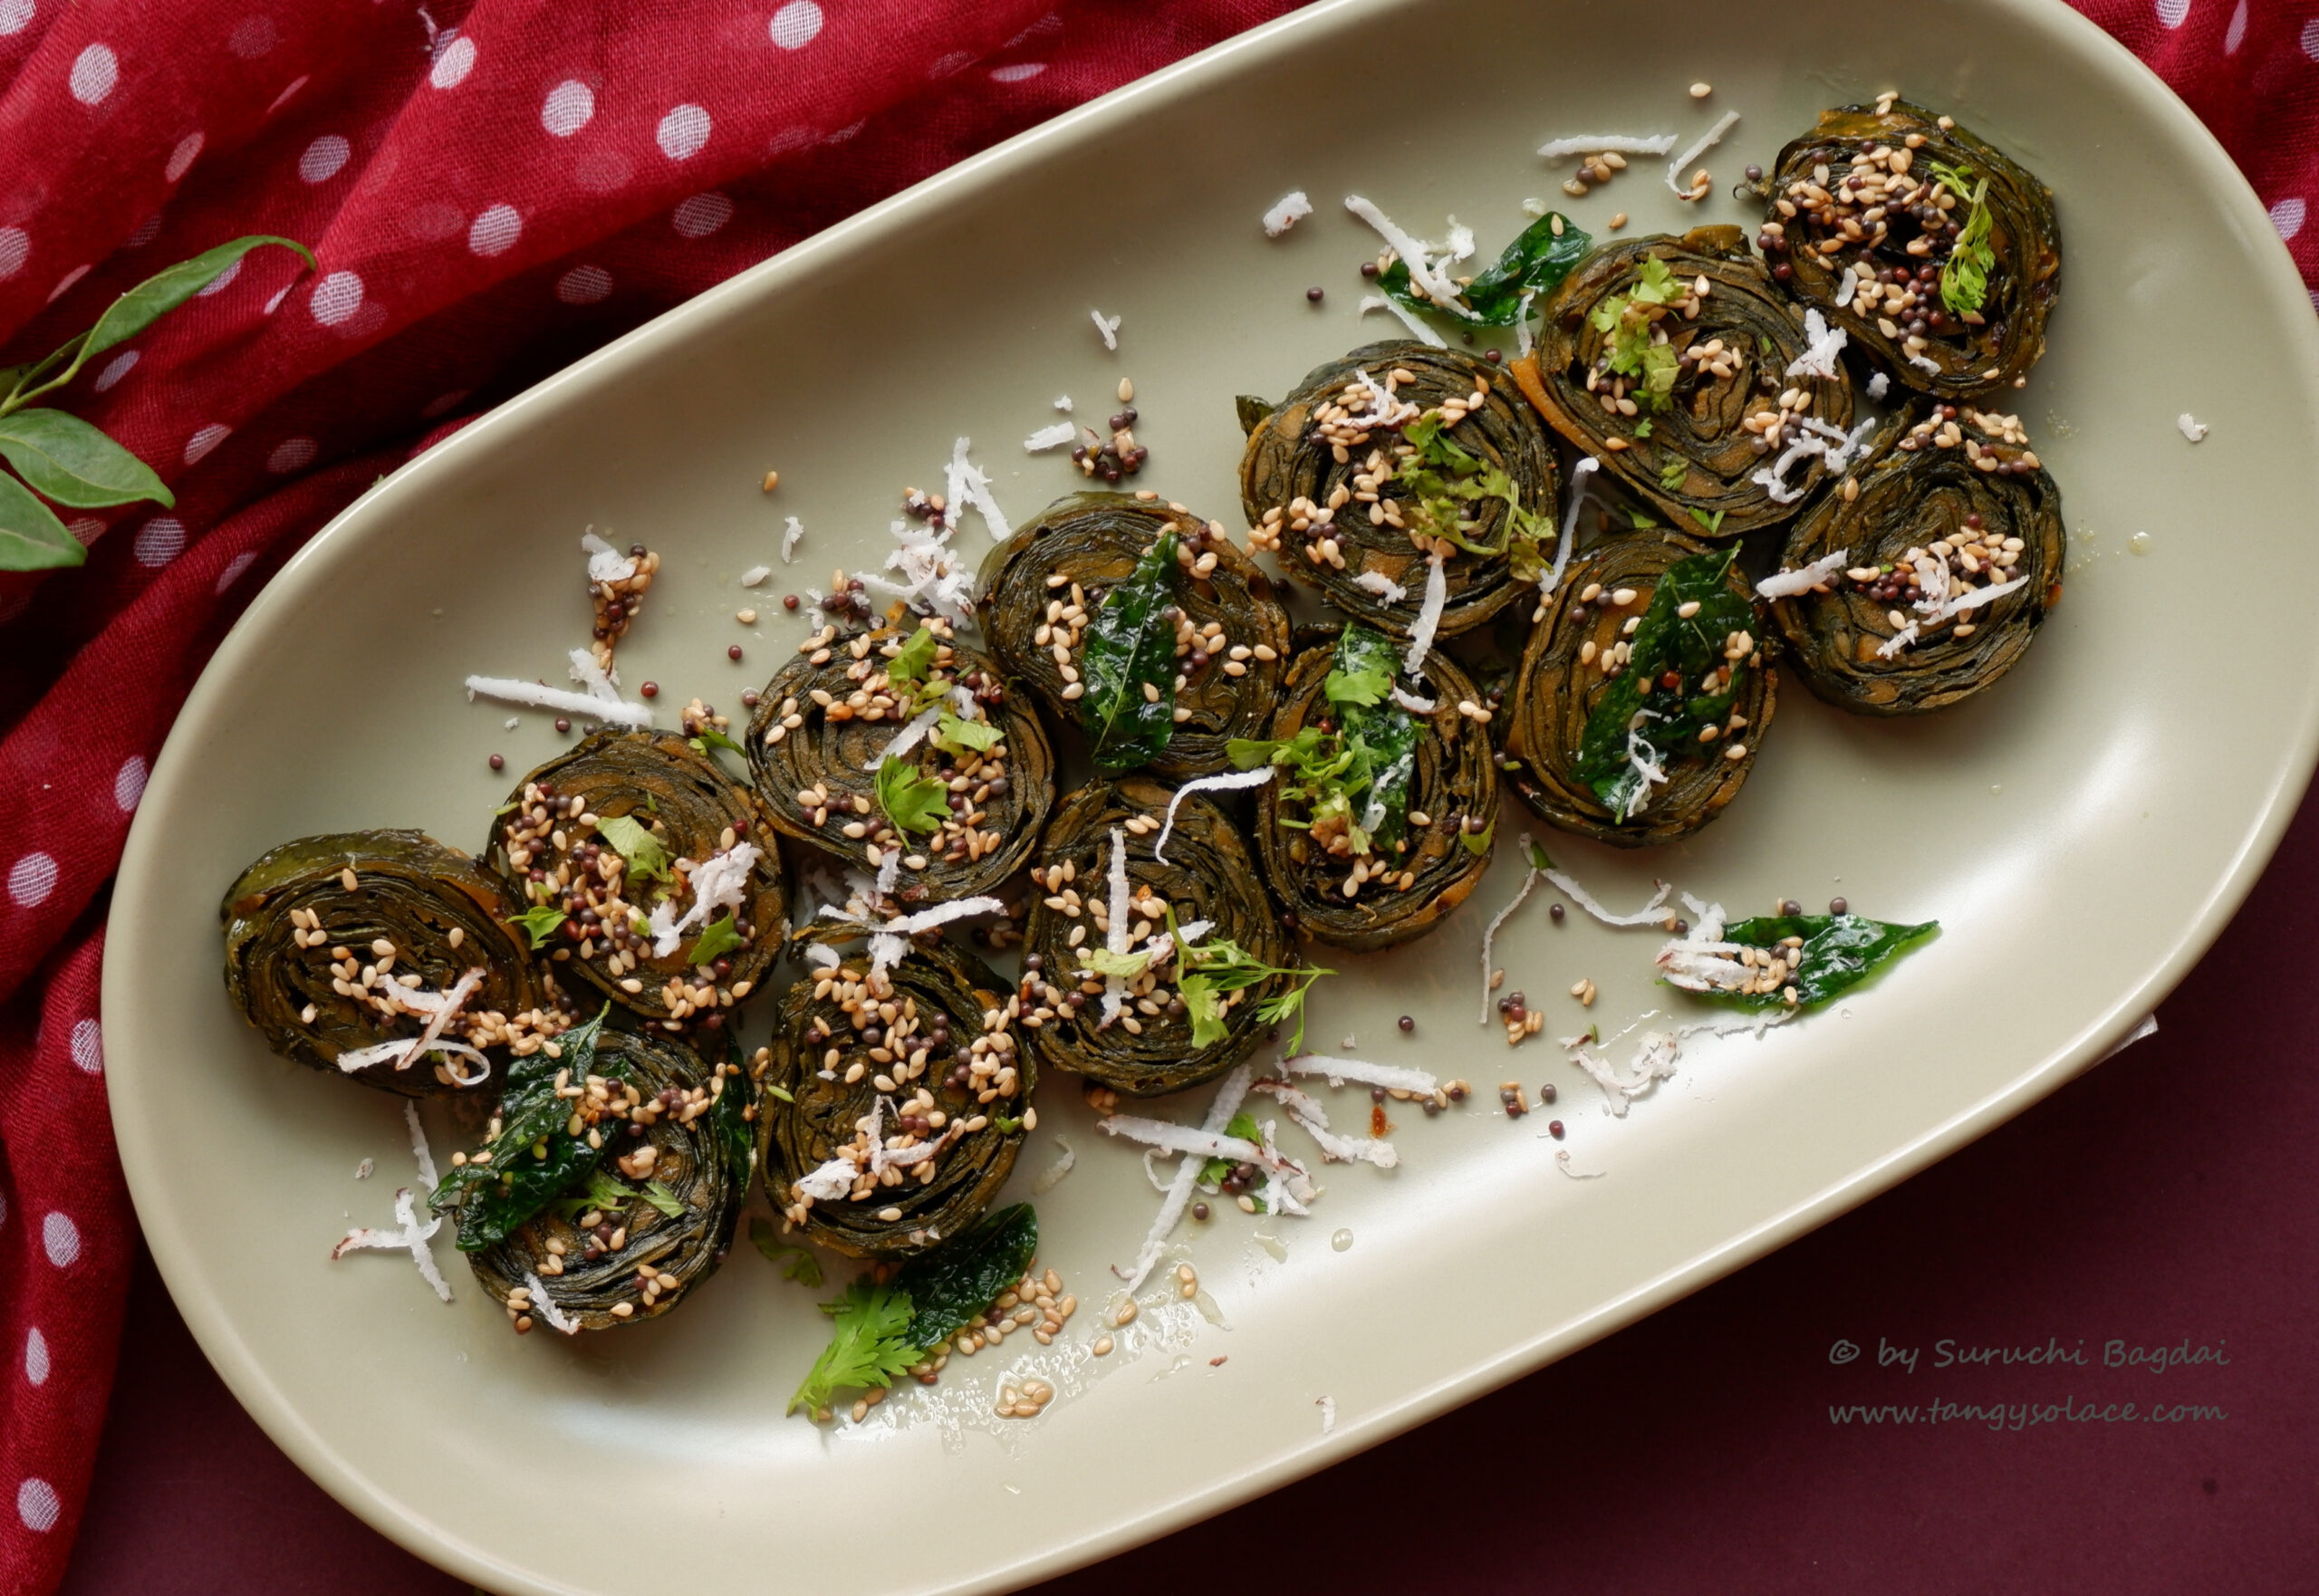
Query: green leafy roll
<point>902,744</point>
<point>1139,623</point>
<point>648,872</point>
<point>1930,582</point>
<point>1385,459</point>
<point>897,1100</point>
<point>384,956</point>
<point>1929,247</point>
<point>1119,998</point>
<point>610,1181</point>
<point>1384,802</point>
<point>1679,365</point>
<point>1643,693</point>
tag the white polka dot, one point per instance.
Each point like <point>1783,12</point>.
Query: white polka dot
<point>160,541</point>
<point>795,23</point>
<point>583,286</point>
<point>451,68</point>
<point>292,454</point>
<point>147,231</point>
<point>323,159</point>
<point>32,879</point>
<point>568,109</point>
<point>2235,34</point>
<point>1017,75</point>
<point>957,61</point>
<point>15,248</point>
<point>221,282</point>
<point>85,528</point>
<point>2171,11</point>
<point>61,1239</point>
<point>65,283</point>
<point>37,1505</point>
<point>2286,216</point>
<point>128,785</point>
<point>701,215</point>
<point>252,37</point>
<point>683,132</point>
<point>15,15</point>
<point>282,99</point>
<point>181,157</point>
<point>36,1356</point>
<point>116,369</point>
<point>443,404</point>
<point>2311,38</point>
<point>494,232</point>
<point>205,440</point>
<point>233,568</point>
<point>94,73</point>
<point>89,1043</point>
<point>336,298</point>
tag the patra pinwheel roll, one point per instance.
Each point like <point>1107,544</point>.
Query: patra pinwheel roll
<point>1679,365</point>
<point>608,1183</point>
<point>1140,624</point>
<point>896,1099</point>
<point>1382,807</point>
<point>384,956</point>
<point>1929,583</point>
<point>899,741</point>
<point>1397,455</point>
<point>1930,248</point>
<point>1643,693</point>
<point>646,871</point>
<point>1122,999</point>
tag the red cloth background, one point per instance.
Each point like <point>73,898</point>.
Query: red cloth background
<point>492,189</point>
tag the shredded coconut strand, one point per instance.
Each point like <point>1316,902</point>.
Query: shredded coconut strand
<point>1235,781</point>
<point>1052,1176</point>
<point>419,1150</point>
<point>601,685</point>
<point>1586,467</point>
<point>789,540</point>
<point>2192,428</point>
<point>1562,1162</point>
<point>1707,141</point>
<point>532,696</point>
<point>544,1306</point>
<point>605,563</point>
<point>719,882</point>
<point>1412,703</point>
<point>1337,1071</point>
<point>969,483</point>
<point>1110,329</point>
<point>1429,618</point>
<point>1605,143</point>
<point>1342,1149</point>
<point>1423,274</point>
<point>1292,209</point>
<point>907,738</point>
<point>1929,368</point>
<point>1382,585</point>
<point>1805,579</point>
<point>1418,330</point>
<point>1230,1094</point>
<point>755,574</point>
<point>1879,385</point>
<point>1652,913</point>
<point>1050,438</point>
<point>1489,933</point>
<point>412,1237</point>
<point>1822,344</point>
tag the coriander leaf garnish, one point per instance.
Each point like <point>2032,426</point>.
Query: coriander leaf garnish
<point>1126,966</point>
<point>722,936</point>
<point>1671,476</point>
<point>916,659</point>
<point>1964,276</point>
<point>539,923</point>
<point>646,854</point>
<point>1213,968</point>
<point>953,735</point>
<point>912,802</point>
<point>869,1344</point>
<point>795,1263</point>
<point>710,737</point>
<point>1713,524</point>
<point>1478,842</point>
<point>670,1205</point>
<point>1365,686</point>
<point>603,1194</point>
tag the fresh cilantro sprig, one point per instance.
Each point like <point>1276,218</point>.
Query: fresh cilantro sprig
<point>633,841</point>
<point>1626,322</point>
<point>539,923</point>
<point>1965,277</point>
<point>914,802</point>
<point>721,938</point>
<point>869,1344</point>
<point>1444,482</point>
<point>1213,968</point>
<point>961,738</point>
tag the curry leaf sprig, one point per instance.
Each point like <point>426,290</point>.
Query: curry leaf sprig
<point>64,459</point>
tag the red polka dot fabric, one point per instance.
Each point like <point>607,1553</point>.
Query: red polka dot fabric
<point>493,188</point>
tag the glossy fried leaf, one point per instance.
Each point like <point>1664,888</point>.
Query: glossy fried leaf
<point>950,1287</point>
<point>535,1157</point>
<point>1918,488</point>
<point>1534,262</point>
<point>1561,684</point>
<point>1991,263</point>
<point>1093,543</point>
<point>1840,952</point>
<point>1127,664</point>
<point>1487,483</point>
<point>73,463</point>
<point>442,915</point>
<point>1690,447</point>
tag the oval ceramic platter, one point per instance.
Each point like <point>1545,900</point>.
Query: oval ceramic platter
<point>2082,831</point>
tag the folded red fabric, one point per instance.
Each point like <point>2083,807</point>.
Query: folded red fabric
<point>492,188</point>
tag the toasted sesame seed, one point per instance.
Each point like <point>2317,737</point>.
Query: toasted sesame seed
<point>772,480</point>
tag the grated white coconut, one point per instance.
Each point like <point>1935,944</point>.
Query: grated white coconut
<point>1425,276</point>
<point>1929,368</point>
<point>1489,933</point>
<point>1706,141</point>
<point>1116,936</point>
<point>1587,465</point>
<point>1050,438</point>
<point>419,1151</point>
<point>790,537</point>
<point>1522,321</point>
<point>1418,330</point>
<point>1328,1407</point>
<point>1230,1094</point>
<point>1429,618</point>
<point>1338,1071</point>
<point>1293,208</point>
<point>1652,913</point>
<point>1052,1176</point>
<point>362,1170</point>
<point>969,486</point>
<point>601,684</point>
<point>1108,328</point>
<point>1879,385</point>
<point>533,696</point>
<point>1412,703</point>
<point>719,882</point>
<point>1062,403</point>
<point>605,563</point>
<point>1382,585</point>
<point>2192,428</point>
<point>1822,344</point>
<point>410,1236</point>
<point>1315,1120</point>
<point>544,1306</point>
<point>1803,579</point>
<point>1606,143</point>
<point>909,737</point>
<point>1234,781</point>
<point>1562,1162</point>
<point>755,574</point>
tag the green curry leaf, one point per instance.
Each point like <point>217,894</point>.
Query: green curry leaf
<point>1127,664</point>
<point>1840,952</point>
<point>1534,264</point>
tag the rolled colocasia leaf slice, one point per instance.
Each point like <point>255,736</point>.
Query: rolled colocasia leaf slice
<point>1383,804</point>
<point>1643,693</point>
<point>897,1100</point>
<point>609,1182</point>
<point>1393,463</point>
<point>1929,247</point>
<point>1680,366</point>
<point>1140,624</point>
<point>1930,582</point>
<point>387,957</point>
<point>646,871</point>
<point>900,747</point>
<point>1159,958</point>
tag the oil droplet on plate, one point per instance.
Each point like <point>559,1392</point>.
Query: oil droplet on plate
<point>1341,1240</point>
<point>1010,1490</point>
<point>1273,1244</point>
<point>1997,786</point>
<point>2139,542</point>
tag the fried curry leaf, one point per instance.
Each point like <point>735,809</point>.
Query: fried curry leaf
<point>1128,664</point>
<point>1536,263</point>
<point>535,1157</point>
<point>952,1287</point>
<point>795,1263</point>
<point>912,802</point>
<point>1840,951</point>
<point>604,1193</point>
<point>1642,723</point>
<point>869,1344</point>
